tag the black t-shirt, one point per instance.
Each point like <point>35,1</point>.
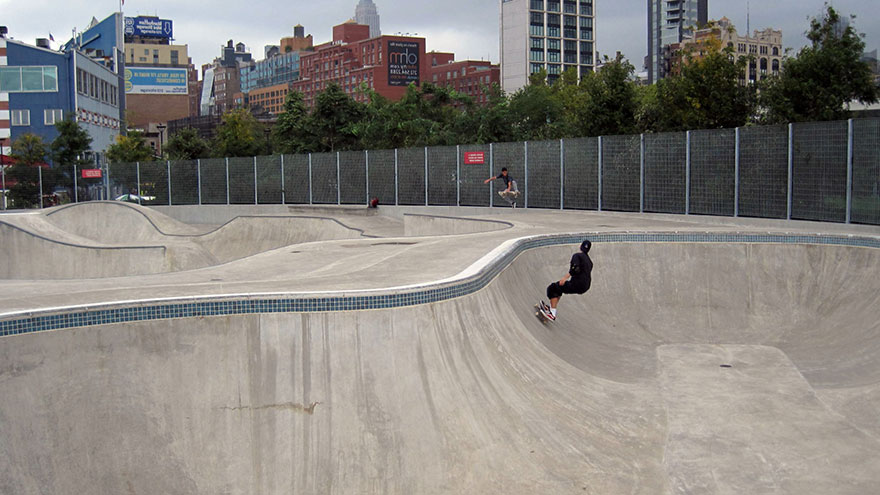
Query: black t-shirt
<point>505,179</point>
<point>580,269</point>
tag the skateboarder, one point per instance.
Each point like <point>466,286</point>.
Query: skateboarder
<point>510,191</point>
<point>576,281</point>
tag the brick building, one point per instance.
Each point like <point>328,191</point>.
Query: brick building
<point>386,64</point>
<point>470,77</point>
<point>158,75</point>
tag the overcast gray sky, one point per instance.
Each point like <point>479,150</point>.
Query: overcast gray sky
<point>469,28</point>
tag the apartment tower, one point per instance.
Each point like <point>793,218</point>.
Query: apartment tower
<point>669,23</point>
<point>549,35</point>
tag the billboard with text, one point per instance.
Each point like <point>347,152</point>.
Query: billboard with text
<point>403,63</point>
<point>155,81</point>
<point>149,27</point>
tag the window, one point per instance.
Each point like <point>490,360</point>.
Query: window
<point>586,22</point>
<point>175,57</point>
<point>553,5</point>
<point>20,117</point>
<point>553,57</point>
<point>775,66</point>
<point>587,58</point>
<point>537,4</point>
<point>553,31</point>
<point>29,79</point>
<point>586,46</point>
<point>586,9</point>
<point>569,6</point>
<point>586,35</point>
<point>534,68</point>
<point>536,19</point>
<point>536,55</point>
<point>775,51</point>
<point>536,30</point>
<point>537,43</point>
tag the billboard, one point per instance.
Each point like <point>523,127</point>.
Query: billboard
<point>155,81</point>
<point>150,27</point>
<point>403,63</point>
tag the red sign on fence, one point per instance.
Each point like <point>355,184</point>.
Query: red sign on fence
<point>474,157</point>
<point>91,173</point>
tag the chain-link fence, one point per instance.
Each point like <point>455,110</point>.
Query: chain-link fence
<point>827,171</point>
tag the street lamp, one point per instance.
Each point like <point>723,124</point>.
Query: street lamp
<point>268,131</point>
<point>3,173</point>
<point>161,128</point>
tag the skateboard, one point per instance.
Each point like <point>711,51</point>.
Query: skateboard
<point>540,314</point>
<point>509,196</point>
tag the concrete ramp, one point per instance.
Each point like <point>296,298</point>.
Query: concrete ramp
<point>688,368</point>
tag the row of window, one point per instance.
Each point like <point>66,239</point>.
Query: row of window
<point>556,69</point>
<point>754,49</point>
<point>569,6</point>
<point>556,56</point>
<point>29,79</point>
<point>570,21</point>
<point>556,32</point>
<point>23,117</point>
<point>94,87</point>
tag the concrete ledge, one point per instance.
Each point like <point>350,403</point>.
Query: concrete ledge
<point>468,281</point>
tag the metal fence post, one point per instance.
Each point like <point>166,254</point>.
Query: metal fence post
<point>457,175</point>
<point>168,164</point>
<point>40,173</point>
<point>338,186</point>
<point>526,173</point>
<point>396,181</point>
<point>256,197</point>
<point>227,181</point>
<point>367,174</point>
<point>736,173</point>
<point>687,175</point>
<point>599,190</point>
<point>310,179</point>
<point>199,178</point>
<point>849,170</point>
<point>790,167</point>
<point>491,165</point>
<point>283,197</point>
<point>561,174</point>
<point>138,168</point>
<point>75,191</point>
<point>641,173</point>
<point>426,176</point>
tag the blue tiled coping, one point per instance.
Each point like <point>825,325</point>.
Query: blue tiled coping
<point>467,282</point>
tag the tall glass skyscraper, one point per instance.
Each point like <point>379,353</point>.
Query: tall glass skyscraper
<point>668,23</point>
<point>550,35</point>
<point>366,13</point>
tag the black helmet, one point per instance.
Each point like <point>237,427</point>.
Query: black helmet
<point>586,245</point>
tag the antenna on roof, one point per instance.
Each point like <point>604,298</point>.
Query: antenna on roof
<point>748,19</point>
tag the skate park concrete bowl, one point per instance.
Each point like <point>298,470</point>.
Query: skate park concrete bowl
<point>709,356</point>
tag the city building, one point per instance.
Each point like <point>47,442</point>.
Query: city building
<point>352,60</point>
<point>546,35</point>
<point>221,80</point>
<point>669,23</point>
<point>261,82</point>
<point>158,76</point>
<point>763,48</point>
<point>40,87</point>
<point>473,78</point>
<point>367,13</point>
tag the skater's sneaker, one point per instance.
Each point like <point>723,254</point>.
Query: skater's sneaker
<point>545,307</point>
<point>549,315</point>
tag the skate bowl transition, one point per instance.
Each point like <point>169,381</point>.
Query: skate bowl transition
<point>707,362</point>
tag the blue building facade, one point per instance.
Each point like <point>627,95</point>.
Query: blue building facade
<point>280,69</point>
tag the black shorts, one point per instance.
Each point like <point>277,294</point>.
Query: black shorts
<point>570,286</point>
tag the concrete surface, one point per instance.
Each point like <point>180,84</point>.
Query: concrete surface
<point>688,368</point>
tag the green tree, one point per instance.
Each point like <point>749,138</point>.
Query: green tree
<point>606,102</point>
<point>130,148</point>
<point>291,133</point>
<point>186,144</point>
<point>335,120</point>
<point>535,111</point>
<point>481,124</point>
<point>823,78</point>
<point>69,150</point>
<point>237,135</point>
<point>29,152</point>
